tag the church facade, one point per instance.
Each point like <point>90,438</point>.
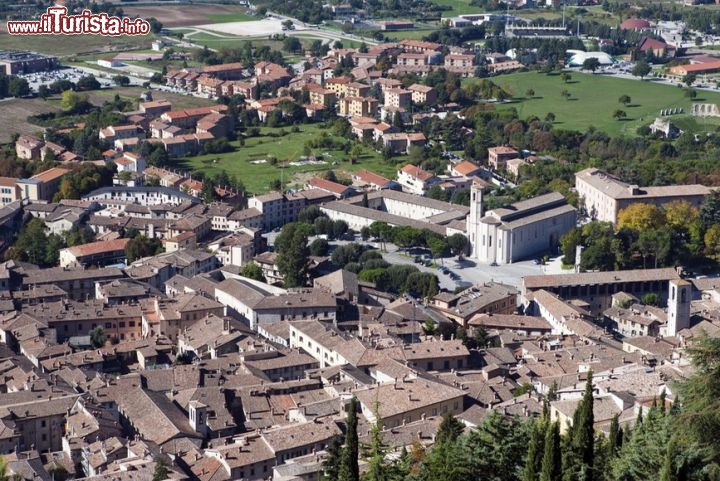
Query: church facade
<point>518,231</point>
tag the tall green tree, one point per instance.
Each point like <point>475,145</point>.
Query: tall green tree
<point>443,461</point>
<point>536,449</point>
<point>458,244</point>
<point>497,449</point>
<point>552,454</point>
<point>669,468</point>
<point>378,468</point>
<point>34,245</point>
<point>701,398</point>
<point>349,467</point>
<point>333,455</point>
<point>293,252</point>
<point>252,271</point>
<point>615,436</point>
<point>581,447</point>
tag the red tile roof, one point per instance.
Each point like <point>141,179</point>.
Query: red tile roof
<point>371,177</point>
<point>465,167</point>
<point>417,172</point>
<point>328,185</point>
<point>100,247</point>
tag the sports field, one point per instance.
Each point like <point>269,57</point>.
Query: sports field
<point>594,99</point>
<point>250,163</point>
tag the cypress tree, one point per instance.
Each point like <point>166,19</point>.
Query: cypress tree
<point>669,472</point>
<point>534,459</point>
<point>614,437</point>
<point>449,430</point>
<point>331,464</point>
<point>552,457</point>
<point>378,469</point>
<point>663,398</point>
<point>349,469</point>
<point>444,460</point>
<point>581,456</point>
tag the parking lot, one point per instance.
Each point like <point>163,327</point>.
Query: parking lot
<point>35,80</point>
<point>451,272</point>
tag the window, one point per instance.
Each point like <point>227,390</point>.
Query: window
<point>108,325</point>
<point>121,324</point>
<point>43,423</point>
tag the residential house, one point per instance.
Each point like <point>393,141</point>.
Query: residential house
<point>28,147</point>
<point>459,60</point>
<point>488,298</point>
<point>415,180</point>
<point>350,106</point>
<point>340,191</point>
<point>498,157</point>
<point>398,98</point>
<point>423,94</point>
<point>43,186</point>
<point>96,254</point>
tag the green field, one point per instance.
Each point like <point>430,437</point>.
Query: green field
<point>414,34</point>
<point>594,99</point>
<point>229,17</point>
<point>257,177</point>
<point>459,7</point>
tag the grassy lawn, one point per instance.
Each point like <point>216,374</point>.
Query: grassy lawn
<point>459,7</point>
<point>414,34</point>
<point>229,17</point>
<point>257,176</point>
<point>594,99</point>
<point>179,101</point>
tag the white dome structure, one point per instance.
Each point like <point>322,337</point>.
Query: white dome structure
<point>578,58</point>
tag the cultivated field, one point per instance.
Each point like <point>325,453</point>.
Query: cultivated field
<point>593,100</point>
<point>246,162</point>
<point>189,15</point>
<point>15,113</point>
